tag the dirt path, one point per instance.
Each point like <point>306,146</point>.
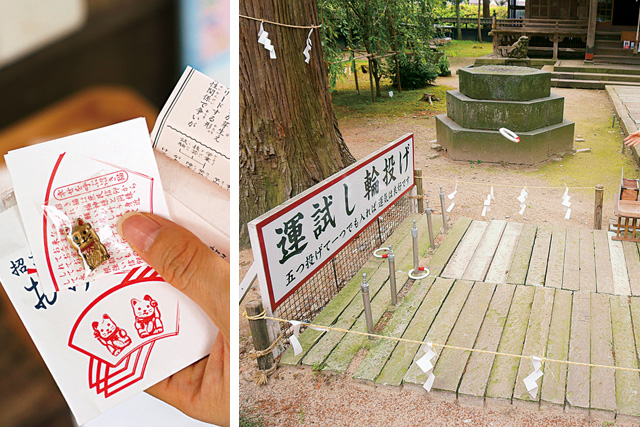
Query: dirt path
<point>297,396</point>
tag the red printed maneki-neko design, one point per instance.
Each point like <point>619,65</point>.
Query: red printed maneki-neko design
<point>118,357</point>
<point>110,335</point>
<point>147,315</point>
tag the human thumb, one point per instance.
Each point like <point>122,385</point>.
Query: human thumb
<point>182,260</point>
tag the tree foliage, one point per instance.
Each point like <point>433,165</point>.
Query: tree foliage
<point>376,27</point>
<point>415,73</point>
<point>448,12</point>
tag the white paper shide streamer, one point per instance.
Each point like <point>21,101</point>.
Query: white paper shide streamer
<point>530,380</point>
<point>522,198</point>
<point>451,196</point>
<point>566,204</point>
<point>307,49</point>
<point>426,364</point>
<point>263,39</point>
<point>293,339</point>
<point>487,202</point>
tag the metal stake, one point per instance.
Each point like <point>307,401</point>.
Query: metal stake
<point>445,226</point>
<point>392,276</point>
<point>367,303</point>
<point>432,241</point>
<point>414,235</point>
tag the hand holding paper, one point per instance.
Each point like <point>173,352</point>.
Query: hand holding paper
<point>202,389</point>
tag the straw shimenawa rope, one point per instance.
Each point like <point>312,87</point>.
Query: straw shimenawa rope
<point>262,376</point>
<point>279,23</point>
<point>454,347</point>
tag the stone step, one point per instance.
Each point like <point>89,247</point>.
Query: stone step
<point>594,69</point>
<point>614,51</point>
<point>608,43</point>
<point>614,59</point>
<point>596,76</point>
<point>588,84</point>
<point>608,35</point>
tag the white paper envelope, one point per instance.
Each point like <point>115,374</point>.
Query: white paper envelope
<point>103,342</point>
<point>94,176</point>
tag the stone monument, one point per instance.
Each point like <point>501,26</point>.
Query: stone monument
<point>497,96</point>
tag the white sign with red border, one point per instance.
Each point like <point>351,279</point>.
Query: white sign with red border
<point>294,240</point>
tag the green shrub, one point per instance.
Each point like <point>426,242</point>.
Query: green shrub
<point>415,72</point>
<point>443,66</point>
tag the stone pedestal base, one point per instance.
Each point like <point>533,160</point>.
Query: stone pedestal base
<point>521,116</point>
<point>490,146</point>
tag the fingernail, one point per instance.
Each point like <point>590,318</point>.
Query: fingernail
<point>139,230</point>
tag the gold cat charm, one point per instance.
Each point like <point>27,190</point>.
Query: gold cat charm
<point>86,241</point>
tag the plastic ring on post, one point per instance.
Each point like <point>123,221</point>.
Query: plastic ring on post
<point>375,253</point>
<point>411,276</point>
<point>510,135</point>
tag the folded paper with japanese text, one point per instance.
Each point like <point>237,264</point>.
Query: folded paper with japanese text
<point>106,324</point>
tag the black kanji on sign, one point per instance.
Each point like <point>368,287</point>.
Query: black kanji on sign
<point>346,200</point>
<point>389,166</point>
<point>404,158</point>
<point>322,216</point>
<point>371,183</point>
<point>292,233</point>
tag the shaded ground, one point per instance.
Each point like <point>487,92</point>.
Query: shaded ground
<point>297,396</point>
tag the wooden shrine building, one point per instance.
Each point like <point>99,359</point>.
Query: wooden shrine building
<point>597,29</point>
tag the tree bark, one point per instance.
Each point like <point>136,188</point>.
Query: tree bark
<point>458,26</point>
<point>479,26</point>
<point>486,9</point>
<point>289,136</point>
<point>377,75</point>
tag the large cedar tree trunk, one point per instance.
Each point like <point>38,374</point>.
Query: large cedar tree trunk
<point>289,137</point>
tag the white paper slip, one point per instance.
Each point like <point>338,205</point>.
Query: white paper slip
<point>94,178</point>
<point>193,127</point>
<point>103,342</point>
<point>206,217</point>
